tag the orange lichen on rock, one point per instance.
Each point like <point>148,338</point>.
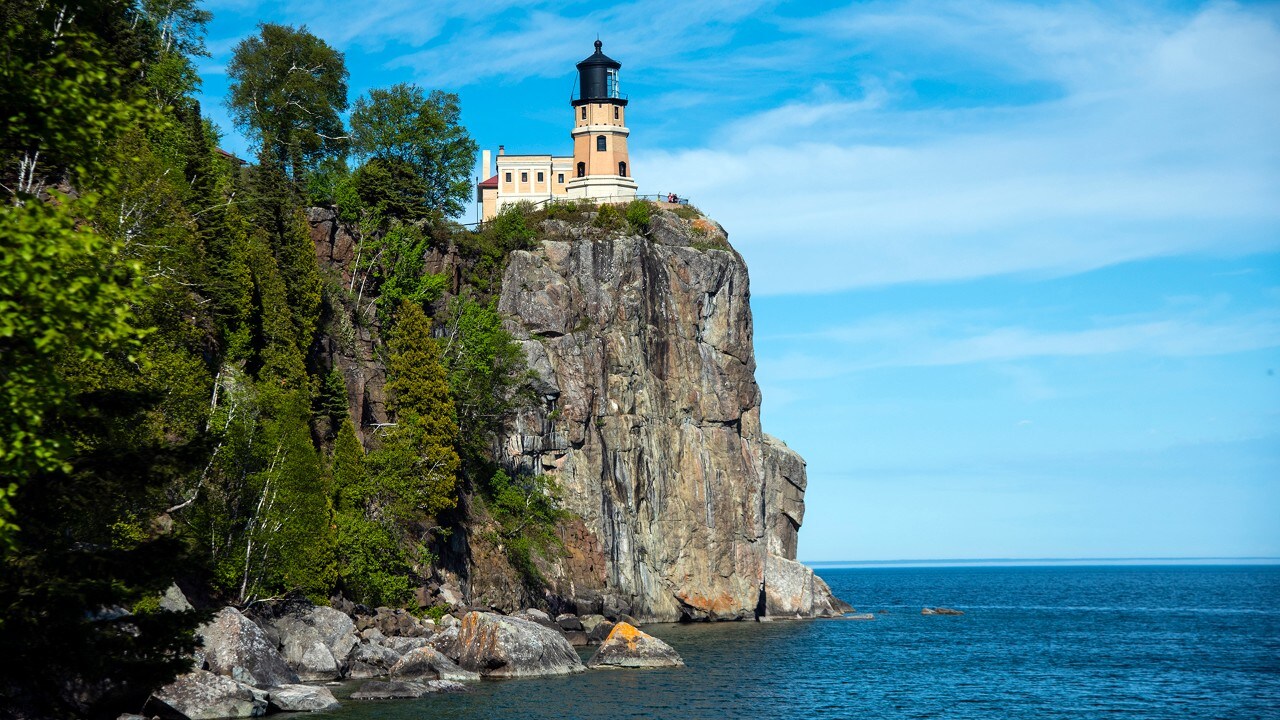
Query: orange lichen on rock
<point>626,632</point>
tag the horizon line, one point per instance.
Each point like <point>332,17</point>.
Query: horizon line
<point>1264,559</point>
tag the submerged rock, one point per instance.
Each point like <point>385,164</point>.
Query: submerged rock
<point>498,646</point>
<point>202,695</point>
<point>379,690</point>
<point>236,647</point>
<point>941,611</point>
<point>630,648</point>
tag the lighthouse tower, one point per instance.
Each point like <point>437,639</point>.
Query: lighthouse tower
<point>601,168</point>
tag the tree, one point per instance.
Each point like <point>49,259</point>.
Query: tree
<point>487,372</point>
<point>417,462</point>
<point>422,131</point>
<point>287,90</point>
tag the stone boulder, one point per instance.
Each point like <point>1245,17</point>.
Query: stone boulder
<point>378,690</point>
<point>792,590</point>
<point>569,622</point>
<point>371,660</point>
<point>403,645</point>
<point>427,662</point>
<point>234,646</point>
<point>315,641</point>
<point>300,698</point>
<point>498,646</point>
<point>174,600</point>
<point>202,695</point>
<point>941,611</point>
<point>630,648</point>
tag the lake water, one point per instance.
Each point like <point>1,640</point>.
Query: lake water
<point>1034,642</point>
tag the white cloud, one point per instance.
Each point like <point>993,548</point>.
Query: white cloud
<point>1163,142</point>
<point>960,338</point>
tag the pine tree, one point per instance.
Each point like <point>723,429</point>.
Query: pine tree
<point>418,460</point>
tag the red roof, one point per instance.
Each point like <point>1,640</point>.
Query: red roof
<point>490,183</point>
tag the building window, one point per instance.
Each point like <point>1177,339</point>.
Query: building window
<point>584,112</point>
<point>582,169</point>
<point>622,169</point>
<point>560,178</point>
<point>524,177</point>
<point>600,143</point>
<point>507,178</point>
<point>615,112</point>
<point>541,177</point>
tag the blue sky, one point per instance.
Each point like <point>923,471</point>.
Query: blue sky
<point>1015,266</point>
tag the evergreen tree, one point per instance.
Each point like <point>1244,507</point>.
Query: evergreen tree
<point>417,462</point>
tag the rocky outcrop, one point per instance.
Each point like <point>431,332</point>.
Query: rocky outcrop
<point>793,590</point>
<point>314,641</point>
<point>427,662</point>
<point>236,647</point>
<point>498,646</point>
<point>202,695</point>
<point>627,647</point>
<point>650,422</point>
<point>379,690</point>
<point>301,698</point>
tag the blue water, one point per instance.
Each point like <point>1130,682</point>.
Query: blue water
<point>1043,642</point>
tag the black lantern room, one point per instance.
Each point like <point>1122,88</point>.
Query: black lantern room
<point>598,79</point>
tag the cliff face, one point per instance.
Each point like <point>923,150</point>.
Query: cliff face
<point>650,422</point>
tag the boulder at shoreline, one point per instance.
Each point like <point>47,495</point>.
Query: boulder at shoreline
<point>236,647</point>
<point>627,647</point>
<point>498,646</point>
<point>202,695</point>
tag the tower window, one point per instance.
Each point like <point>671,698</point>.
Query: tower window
<point>541,177</point>
<point>524,177</point>
<point>622,169</point>
<point>507,178</point>
<point>582,169</point>
<point>584,112</point>
<point>616,112</point>
<point>560,178</point>
<point>600,143</point>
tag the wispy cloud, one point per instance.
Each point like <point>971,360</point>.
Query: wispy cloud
<point>1162,141</point>
<point>962,338</point>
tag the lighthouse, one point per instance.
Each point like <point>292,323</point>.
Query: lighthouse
<point>601,166</point>
<point>599,169</point>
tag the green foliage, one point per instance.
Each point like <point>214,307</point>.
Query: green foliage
<point>526,507</point>
<point>435,612</point>
<point>287,90</point>
<point>424,153</point>
<point>638,214</point>
<point>400,270</point>
<point>687,212</point>
<point>373,567</point>
<point>64,105</point>
<point>567,209</point>
<point>64,291</point>
<point>487,373</point>
<point>332,400</point>
<point>417,464</point>
<point>512,228</point>
<point>392,188</point>
<point>323,183</point>
<point>609,218</point>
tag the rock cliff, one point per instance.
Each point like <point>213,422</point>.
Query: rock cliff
<point>650,422</point>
